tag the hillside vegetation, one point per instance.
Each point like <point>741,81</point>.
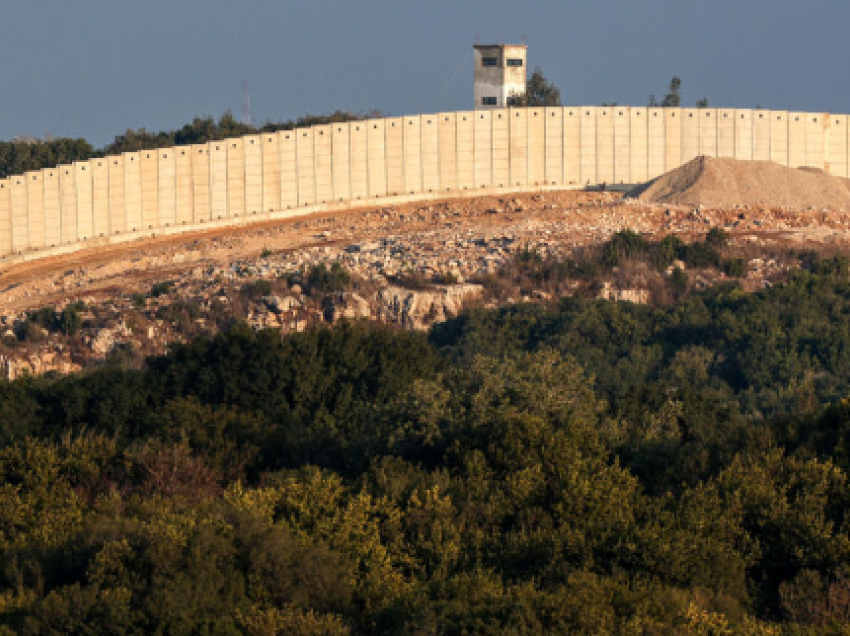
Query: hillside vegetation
<point>19,156</point>
<point>590,467</point>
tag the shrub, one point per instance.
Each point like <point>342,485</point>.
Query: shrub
<point>444,279</point>
<point>734,267</point>
<point>716,238</point>
<point>161,289</point>
<point>624,244</point>
<point>321,278</point>
<point>678,282</point>
<point>257,289</point>
<point>665,252</point>
<point>699,255</point>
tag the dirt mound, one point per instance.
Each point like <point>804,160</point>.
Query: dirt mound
<point>730,182</point>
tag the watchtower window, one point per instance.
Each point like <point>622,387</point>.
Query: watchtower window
<point>514,61</point>
<point>490,61</point>
<point>489,101</point>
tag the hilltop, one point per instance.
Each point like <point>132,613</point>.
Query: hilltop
<point>410,265</point>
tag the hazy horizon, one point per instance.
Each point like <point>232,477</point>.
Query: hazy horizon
<point>93,68</point>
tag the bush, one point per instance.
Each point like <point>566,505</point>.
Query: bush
<point>699,255</point>
<point>320,278</point>
<point>444,279</point>
<point>666,251</point>
<point>257,289</point>
<point>161,289</point>
<point>716,238</point>
<point>678,282</point>
<point>624,244</point>
<point>734,267</point>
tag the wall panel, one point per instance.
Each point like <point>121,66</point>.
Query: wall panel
<point>117,207</point>
<point>35,209</point>
<point>779,137</point>
<point>323,164</point>
<point>288,169</point>
<point>68,201</point>
<point>572,146</point>
<point>150,194</point>
<point>587,151</point>
<point>815,139</point>
<point>85,207</point>
<point>836,159</point>
<point>536,122</point>
<point>518,149</point>
<point>672,138</point>
<point>166,179</point>
<point>235,177</point>
<point>306,166</point>
<point>132,193</point>
<point>359,143</point>
<point>690,134</point>
<point>761,135</point>
<point>20,220</point>
<point>554,146</point>
<point>448,151</point>
<point>377,148</point>
<point>412,154</point>
<point>501,122</point>
<point>483,164</point>
<point>52,207</point>
<point>638,145</point>
<point>744,134</point>
<point>394,143</point>
<point>271,172</point>
<point>184,194</point>
<point>253,150</point>
<point>201,193</point>
<point>708,132</point>
<point>100,196</point>
<point>797,140</point>
<point>218,179</point>
<point>622,144</point>
<point>341,160</point>
<point>725,132</point>
<point>430,153</point>
<point>465,150</point>
<point>5,217</point>
<point>604,145</point>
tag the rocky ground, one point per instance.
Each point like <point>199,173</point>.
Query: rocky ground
<point>409,265</point>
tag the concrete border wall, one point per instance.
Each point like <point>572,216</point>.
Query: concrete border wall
<point>343,165</point>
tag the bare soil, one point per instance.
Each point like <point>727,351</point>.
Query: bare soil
<point>729,182</point>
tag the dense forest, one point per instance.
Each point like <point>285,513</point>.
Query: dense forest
<point>586,467</point>
<point>19,156</point>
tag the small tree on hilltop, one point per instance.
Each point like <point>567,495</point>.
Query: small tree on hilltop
<point>673,98</point>
<point>538,92</point>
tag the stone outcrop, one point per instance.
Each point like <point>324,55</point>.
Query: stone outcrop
<point>418,309</point>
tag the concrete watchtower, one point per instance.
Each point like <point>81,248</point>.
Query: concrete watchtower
<point>499,73</point>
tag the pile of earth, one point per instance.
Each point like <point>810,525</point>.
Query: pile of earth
<point>722,183</point>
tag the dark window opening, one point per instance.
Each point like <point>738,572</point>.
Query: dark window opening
<point>514,61</point>
<point>489,101</point>
<point>490,61</point>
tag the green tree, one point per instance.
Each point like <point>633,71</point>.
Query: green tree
<point>538,92</point>
<point>673,98</point>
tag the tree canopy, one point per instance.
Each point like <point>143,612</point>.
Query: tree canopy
<point>586,467</point>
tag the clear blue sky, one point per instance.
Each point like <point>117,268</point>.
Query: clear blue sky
<point>93,68</point>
